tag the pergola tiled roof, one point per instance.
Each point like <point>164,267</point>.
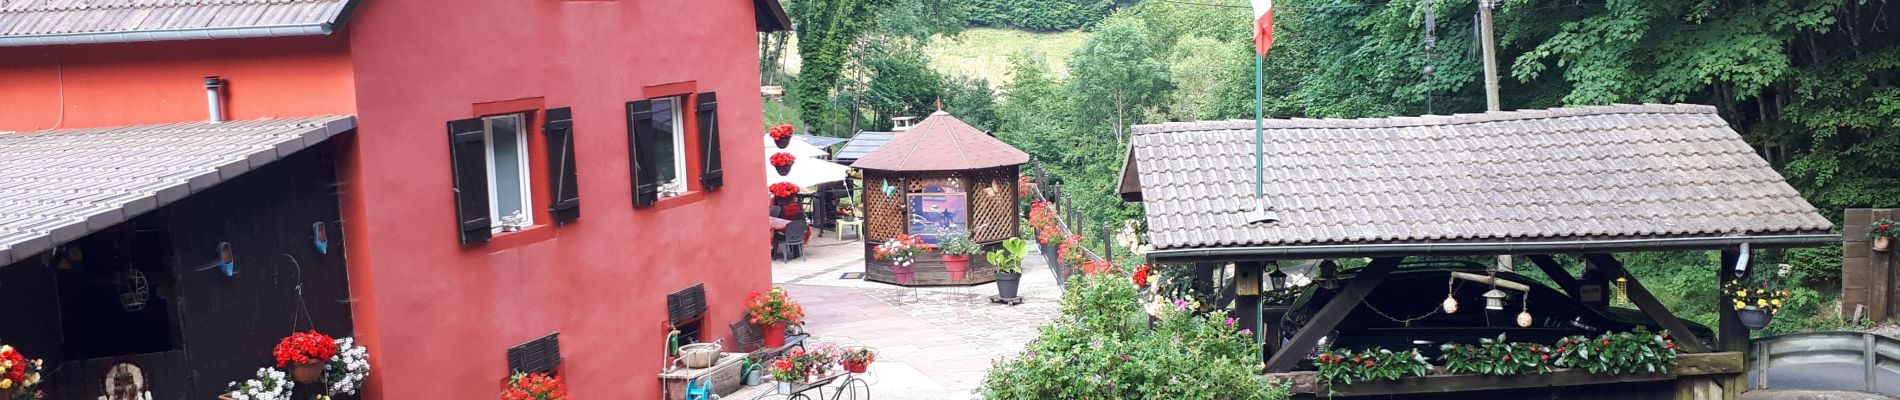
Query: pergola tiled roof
<point>941,143</point>
<point>59,185</point>
<point>1622,176</point>
<point>44,22</point>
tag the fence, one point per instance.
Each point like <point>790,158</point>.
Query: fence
<point>1875,354</point>
<point>1067,218</point>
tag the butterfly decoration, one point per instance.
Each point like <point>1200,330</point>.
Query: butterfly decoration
<point>227,260</point>
<point>321,237</point>
<point>888,189</point>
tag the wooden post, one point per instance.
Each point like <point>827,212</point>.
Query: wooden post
<point>1247,304</point>
<point>1556,272</point>
<point>1730,334</point>
<point>1329,315</point>
<point>1647,302</point>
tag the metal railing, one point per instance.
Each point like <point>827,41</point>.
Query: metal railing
<point>1066,218</point>
<point>1872,351</point>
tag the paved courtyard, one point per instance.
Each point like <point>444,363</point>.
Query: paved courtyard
<point>932,343</point>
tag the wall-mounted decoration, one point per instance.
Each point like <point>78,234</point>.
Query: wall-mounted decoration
<point>125,382</point>
<point>134,290</point>
<point>69,257</point>
<point>321,236</point>
<point>227,260</point>
<point>888,189</point>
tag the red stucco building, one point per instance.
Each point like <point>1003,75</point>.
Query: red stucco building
<point>503,170</point>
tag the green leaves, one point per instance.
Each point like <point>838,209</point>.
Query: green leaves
<point>1345,367</point>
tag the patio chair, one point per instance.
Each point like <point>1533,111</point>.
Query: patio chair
<point>793,246</point>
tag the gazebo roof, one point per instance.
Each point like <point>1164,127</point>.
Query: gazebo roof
<point>941,143</point>
<point>1599,178</point>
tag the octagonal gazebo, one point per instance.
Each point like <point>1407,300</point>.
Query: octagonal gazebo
<point>939,177</point>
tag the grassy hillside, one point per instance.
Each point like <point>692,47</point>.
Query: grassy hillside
<point>984,52</point>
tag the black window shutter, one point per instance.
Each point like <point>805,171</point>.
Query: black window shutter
<point>539,355</point>
<point>712,175</point>
<point>567,198</point>
<point>468,158</point>
<point>640,146</point>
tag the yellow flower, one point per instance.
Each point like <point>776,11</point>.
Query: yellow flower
<point>1776,302</point>
<point>6,384</point>
<point>1761,303</point>
<point>1741,293</point>
<point>1739,305</point>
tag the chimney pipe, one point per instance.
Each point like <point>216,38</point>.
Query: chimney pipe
<point>215,97</point>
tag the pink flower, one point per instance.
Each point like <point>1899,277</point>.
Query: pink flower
<point>1246,331</point>
<point>1230,322</point>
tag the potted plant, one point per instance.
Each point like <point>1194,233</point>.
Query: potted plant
<point>772,310</point>
<point>305,353</point>
<point>1755,302</point>
<point>786,373</point>
<point>901,252</point>
<point>782,161</point>
<point>344,374</point>
<point>857,359</point>
<point>781,135</point>
<point>957,248</point>
<point>534,386</point>
<point>782,192</point>
<point>18,375</point>
<point>1883,232</point>
<point>1009,266</point>
<point>268,385</point>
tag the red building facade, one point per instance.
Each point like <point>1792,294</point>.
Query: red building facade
<point>437,304</point>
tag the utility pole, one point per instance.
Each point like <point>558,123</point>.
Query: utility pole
<point>1490,55</point>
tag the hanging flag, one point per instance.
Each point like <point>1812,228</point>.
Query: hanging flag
<point>1262,26</point>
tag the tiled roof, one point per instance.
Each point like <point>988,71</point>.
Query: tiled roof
<point>1588,173</point>
<point>820,141</point>
<point>39,22</point>
<point>863,143</point>
<point>942,143</point>
<point>58,185</point>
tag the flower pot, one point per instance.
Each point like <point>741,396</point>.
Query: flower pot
<point>783,170</point>
<point>784,387</point>
<point>1883,244</point>
<point>306,373</point>
<point>903,274</point>
<point>1754,318</point>
<point>855,368</point>
<point>958,265</point>
<point>779,201</point>
<point>1006,284</point>
<point>774,335</point>
<point>782,142</point>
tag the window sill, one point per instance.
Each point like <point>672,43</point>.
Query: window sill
<point>507,240</point>
<point>676,201</point>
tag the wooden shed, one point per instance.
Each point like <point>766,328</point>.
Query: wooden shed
<point>939,177</point>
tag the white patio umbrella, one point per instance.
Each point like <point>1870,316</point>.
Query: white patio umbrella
<point>807,172</point>
<point>797,148</point>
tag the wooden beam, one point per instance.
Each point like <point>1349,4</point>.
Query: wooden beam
<point>1647,302</point>
<point>1730,334</point>
<point>1491,281</point>
<point>1330,315</point>
<point>1557,273</point>
<point>1247,306</point>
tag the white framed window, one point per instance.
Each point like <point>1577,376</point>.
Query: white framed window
<point>671,143</point>
<point>510,203</point>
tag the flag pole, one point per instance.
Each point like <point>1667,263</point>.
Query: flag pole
<point>1259,135</point>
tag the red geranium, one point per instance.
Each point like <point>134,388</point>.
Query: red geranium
<point>535,386</point>
<point>783,159</point>
<point>773,307</point>
<point>783,189</point>
<point>781,132</point>
<point>1141,276</point>
<point>304,347</point>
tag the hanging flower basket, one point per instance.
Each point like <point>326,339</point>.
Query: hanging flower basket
<point>305,353</point>
<point>1754,318</point>
<point>1882,232</point>
<point>782,162</point>
<point>781,135</point>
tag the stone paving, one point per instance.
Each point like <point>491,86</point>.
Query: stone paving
<point>932,343</point>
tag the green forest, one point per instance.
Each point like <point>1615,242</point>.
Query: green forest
<point>1812,84</point>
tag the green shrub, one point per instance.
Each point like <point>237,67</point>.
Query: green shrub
<point>1347,366</point>
<point>1039,15</point>
<point>1496,357</point>
<point>1100,349</point>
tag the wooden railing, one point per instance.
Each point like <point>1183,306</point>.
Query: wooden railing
<point>1067,219</point>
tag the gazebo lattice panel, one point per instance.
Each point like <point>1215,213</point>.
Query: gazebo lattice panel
<point>885,216</point>
<point>993,204</point>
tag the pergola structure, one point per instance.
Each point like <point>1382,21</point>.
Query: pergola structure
<point>940,177</point>
<point>1590,181</point>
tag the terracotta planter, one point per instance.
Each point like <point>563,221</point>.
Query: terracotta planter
<point>782,142</point>
<point>783,170</point>
<point>903,274</point>
<point>958,265</point>
<point>1883,244</point>
<point>1754,318</point>
<point>306,373</point>
<point>855,368</point>
<point>774,335</point>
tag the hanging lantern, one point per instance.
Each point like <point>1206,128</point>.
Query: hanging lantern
<point>1524,317</point>
<point>1494,300</point>
<point>1277,278</point>
<point>1622,290</point>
